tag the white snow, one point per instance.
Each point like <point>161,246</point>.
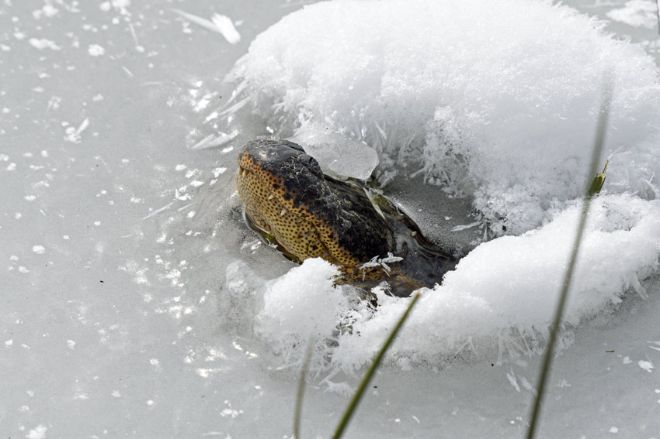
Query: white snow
<point>38,432</point>
<point>218,23</point>
<point>226,27</point>
<point>315,313</point>
<point>500,297</point>
<point>43,43</point>
<point>74,135</point>
<point>120,6</point>
<point>48,10</point>
<point>96,50</point>
<point>638,13</point>
<point>497,100</point>
<point>490,107</point>
<point>645,365</point>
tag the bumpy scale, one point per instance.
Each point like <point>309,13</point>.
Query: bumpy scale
<point>289,199</point>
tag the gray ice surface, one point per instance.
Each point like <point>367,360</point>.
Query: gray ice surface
<point>114,242</point>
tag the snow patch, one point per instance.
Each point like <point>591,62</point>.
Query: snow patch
<point>494,100</point>
<point>226,27</point>
<point>497,101</point>
<point>305,306</point>
<point>301,304</point>
<point>645,365</point>
<point>48,10</point>
<point>73,134</point>
<point>218,23</point>
<point>637,13</point>
<point>43,43</point>
<point>497,303</point>
<point>38,432</point>
<point>95,50</point>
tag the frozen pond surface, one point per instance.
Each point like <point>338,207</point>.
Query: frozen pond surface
<point>119,242</point>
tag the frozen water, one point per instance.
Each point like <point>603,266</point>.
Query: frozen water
<point>336,153</point>
<point>137,304</point>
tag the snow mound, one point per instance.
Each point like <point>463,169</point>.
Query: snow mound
<point>496,100</point>
<point>304,306</point>
<point>497,304</point>
<point>314,313</point>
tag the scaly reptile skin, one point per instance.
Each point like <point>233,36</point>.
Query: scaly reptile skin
<point>288,198</point>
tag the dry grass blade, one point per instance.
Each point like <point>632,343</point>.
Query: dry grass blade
<point>300,393</point>
<point>592,188</point>
<point>366,379</point>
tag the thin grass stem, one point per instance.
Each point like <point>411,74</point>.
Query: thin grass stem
<point>300,393</point>
<point>568,276</point>
<point>366,379</point>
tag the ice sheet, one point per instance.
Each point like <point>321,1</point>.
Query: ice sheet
<point>122,252</point>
